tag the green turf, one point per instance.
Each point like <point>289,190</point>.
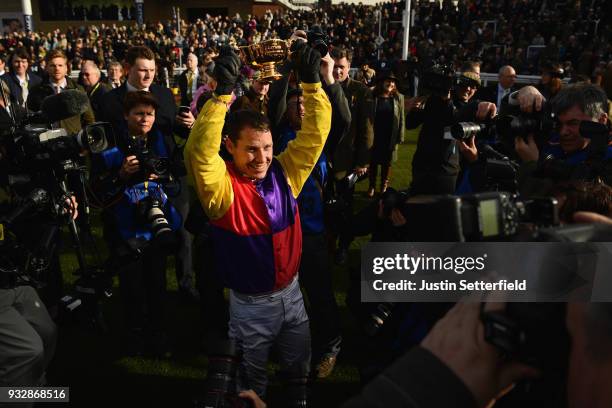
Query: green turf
<point>98,374</point>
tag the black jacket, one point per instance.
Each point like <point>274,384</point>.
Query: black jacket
<point>489,94</point>
<point>13,83</point>
<point>435,165</point>
<point>96,98</point>
<point>165,115</point>
<point>182,85</point>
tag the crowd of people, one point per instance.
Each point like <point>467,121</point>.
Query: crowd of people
<point>523,34</point>
<point>248,182</point>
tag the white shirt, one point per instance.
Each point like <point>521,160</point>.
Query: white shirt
<point>62,85</point>
<point>131,88</point>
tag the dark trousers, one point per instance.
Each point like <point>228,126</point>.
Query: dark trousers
<point>433,183</point>
<point>316,279</point>
<point>344,217</point>
<point>183,255</point>
<point>143,290</point>
<point>214,307</point>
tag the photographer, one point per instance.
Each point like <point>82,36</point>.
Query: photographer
<point>139,221</point>
<point>573,105</point>
<point>27,333</point>
<point>140,69</point>
<point>251,202</point>
<point>435,166</point>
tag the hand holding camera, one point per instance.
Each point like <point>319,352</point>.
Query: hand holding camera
<point>130,167</point>
<point>527,149</point>
<point>458,340</point>
<point>227,69</point>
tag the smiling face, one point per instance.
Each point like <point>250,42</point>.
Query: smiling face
<point>252,152</point>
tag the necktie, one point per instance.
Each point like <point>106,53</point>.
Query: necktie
<point>189,84</point>
<point>24,92</point>
<point>57,89</point>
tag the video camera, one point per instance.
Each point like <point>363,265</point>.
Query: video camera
<point>473,217</point>
<point>30,263</point>
<point>34,143</point>
<point>437,80</point>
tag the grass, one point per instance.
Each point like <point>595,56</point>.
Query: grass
<point>93,366</point>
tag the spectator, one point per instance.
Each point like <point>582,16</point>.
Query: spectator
<point>388,129</point>
<point>57,68</point>
<point>20,80</point>
<point>115,74</point>
<point>505,86</point>
<point>256,97</point>
<point>95,88</point>
<point>190,80</point>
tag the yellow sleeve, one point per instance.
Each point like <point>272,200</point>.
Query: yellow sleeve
<point>205,168</point>
<point>302,153</point>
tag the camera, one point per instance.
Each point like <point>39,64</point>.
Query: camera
<point>437,80</point>
<point>534,334</point>
<point>223,360</point>
<point>153,214</point>
<point>149,162</point>
<point>296,386</point>
<point>472,217</point>
<point>506,127</point>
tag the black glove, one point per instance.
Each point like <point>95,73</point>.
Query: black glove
<point>307,60</point>
<point>227,68</point>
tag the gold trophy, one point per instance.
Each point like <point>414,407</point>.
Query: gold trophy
<point>264,56</point>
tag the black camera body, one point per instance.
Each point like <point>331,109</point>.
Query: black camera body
<point>150,163</point>
<point>437,80</point>
<point>473,217</point>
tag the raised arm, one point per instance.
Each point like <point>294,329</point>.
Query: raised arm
<point>303,152</point>
<point>205,167</point>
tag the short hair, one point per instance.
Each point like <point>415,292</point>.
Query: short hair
<point>133,99</point>
<point>243,119</point>
<point>341,52</point>
<point>584,196</point>
<point>505,68</point>
<point>590,98</point>
<point>55,53</point>
<point>91,64</point>
<point>139,51</point>
<point>470,66</point>
<point>114,63</point>
<point>21,53</point>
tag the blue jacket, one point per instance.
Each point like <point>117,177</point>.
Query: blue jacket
<point>123,210</point>
<point>310,200</point>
